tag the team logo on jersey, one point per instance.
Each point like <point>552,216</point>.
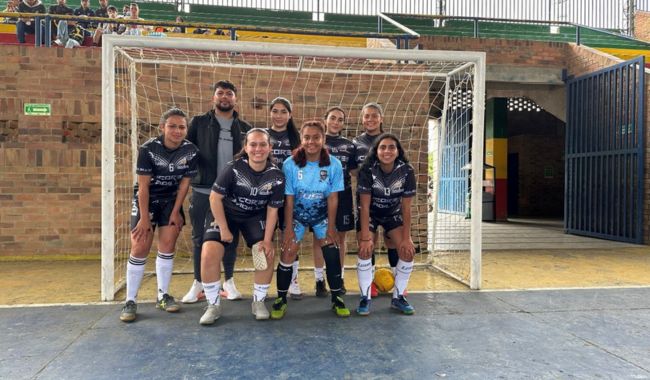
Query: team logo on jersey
<point>323,175</point>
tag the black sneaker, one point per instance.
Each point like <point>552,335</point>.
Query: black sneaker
<point>343,289</point>
<point>128,311</point>
<point>167,303</point>
<point>321,289</point>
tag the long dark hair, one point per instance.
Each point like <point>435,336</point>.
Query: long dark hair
<point>242,153</point>
<point>300,157</point>
<point>334,108</point>
<point>294,136</point>
<point>379,109</point>
<point>371,158</point>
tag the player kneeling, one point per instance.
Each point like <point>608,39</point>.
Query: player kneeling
<point>245,197</point>
<point>164,168</point>
<point>386,188</point>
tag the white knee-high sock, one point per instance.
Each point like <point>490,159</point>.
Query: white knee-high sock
<point>319,274</point>
<point>211,290</point>
<point>164,268</point>
<point>294,274</point>
<point>260,291</point>
<point>134,274</point>
<point>404,269</point>
<point>364,273</point>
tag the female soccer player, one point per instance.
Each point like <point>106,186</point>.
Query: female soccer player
<point>372,116</point>
<point>314,179</point>
<point>284,138</point>
<point>345,151</point>
<point>386,188</point>
<point>164,168</point>
<point>245,197</point>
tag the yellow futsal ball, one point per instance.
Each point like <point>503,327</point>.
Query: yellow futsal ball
<point>384,280</point>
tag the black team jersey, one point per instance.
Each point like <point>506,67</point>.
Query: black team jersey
<point>280,146</point>
<point>387,189</point>
<point>246,192</point>
<point>346,152</point>
<point>166,166</point>
<point>363,142</point>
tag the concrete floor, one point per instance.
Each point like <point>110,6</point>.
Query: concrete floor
<point>571,334</point>
<point>456,333</point>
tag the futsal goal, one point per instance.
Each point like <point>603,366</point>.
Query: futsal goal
<point>433,101</point>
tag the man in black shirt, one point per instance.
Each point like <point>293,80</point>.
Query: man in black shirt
<point>165,166</point>
<point>218,134</point>
<point>26,26</point>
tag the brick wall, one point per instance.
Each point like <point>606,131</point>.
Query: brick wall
<point>642,25</point>
<point>50,166</point>
<point>50,180</point>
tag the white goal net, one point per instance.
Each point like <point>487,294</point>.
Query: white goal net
<point>433,101</point>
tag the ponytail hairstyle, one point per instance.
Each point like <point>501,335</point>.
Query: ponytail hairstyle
<point>300,157</point>
<point>294,136</point>
<point>379,109</point>
<point>371,158</point>
<point>242,153</point>
<point>334,108</point>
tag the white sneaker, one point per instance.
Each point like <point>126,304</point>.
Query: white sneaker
<point>212,313</point>
<point>231,291</point>
<point>194,294</point>
<point>259,310</point>
<point>58,42</point>
<point>294,291</point>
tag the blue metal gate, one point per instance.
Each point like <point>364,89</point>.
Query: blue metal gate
<point>604,153</point>
<point>455,173</point>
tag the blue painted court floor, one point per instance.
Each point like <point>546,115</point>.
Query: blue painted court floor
<point>559,334</point>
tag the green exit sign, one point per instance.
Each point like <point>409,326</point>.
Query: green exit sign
<point>35,109</point>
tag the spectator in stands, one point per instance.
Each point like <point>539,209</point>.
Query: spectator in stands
<point>85,11</point>
<point>133,29</point>
<point>61,28</point>
<point>126,10</point>
<point>179,29</point>
<point>76,36</point>
<point>12,6</point>
<point>102,11</point>
<point>106,27</point>
<point>26,26</point>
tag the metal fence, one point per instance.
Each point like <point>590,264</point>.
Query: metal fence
<point>605,14</point>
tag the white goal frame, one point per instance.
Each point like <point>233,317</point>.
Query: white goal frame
<point>111,42</point>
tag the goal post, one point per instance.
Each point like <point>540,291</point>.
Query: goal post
<point>143,76</point>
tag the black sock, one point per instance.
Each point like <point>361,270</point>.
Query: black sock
<point>393,257</point>
<point>283,280</point>
<point>333,268</point>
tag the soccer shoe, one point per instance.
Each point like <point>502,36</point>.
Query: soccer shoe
<point>364,306</point>
<point>294,291</point>
<point>212,313</point>
<point>128,311</point>
<point>230,290</point>
<point>339,308</point>
<point>343,289</point>
<point>400,303</point>
<point>167,303</point>
<point>279,308</point>
<point>259,258</point>
<point>321,290</point>
<point>194,294</point>
<point>373,290</point>
<point>259,310</point>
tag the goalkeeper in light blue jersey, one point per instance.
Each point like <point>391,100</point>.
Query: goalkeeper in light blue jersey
<point>313,180</point>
